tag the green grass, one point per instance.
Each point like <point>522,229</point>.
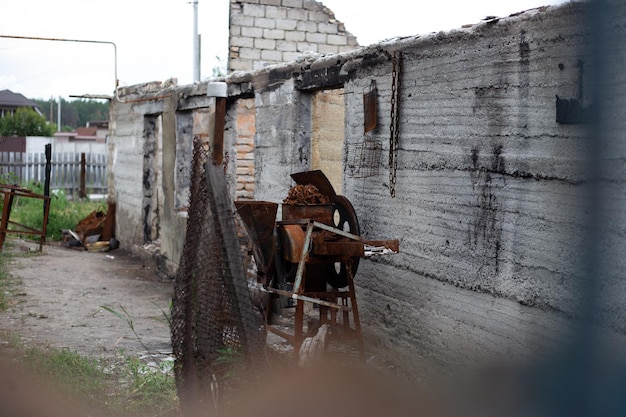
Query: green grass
<point>8,283</point>
<point>63,214</point>
<point>125,386</point>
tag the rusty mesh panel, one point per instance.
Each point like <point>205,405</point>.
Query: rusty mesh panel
<point>217,333</point>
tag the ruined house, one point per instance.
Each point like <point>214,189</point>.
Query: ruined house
<point>478,164</point>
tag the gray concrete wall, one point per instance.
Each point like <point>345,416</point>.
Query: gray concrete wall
<point>492,193</point>
<point>266,32</point>
<point>493,196</point>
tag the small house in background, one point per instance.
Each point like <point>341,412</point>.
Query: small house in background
<point>94,132</point>
<point>10,102</point>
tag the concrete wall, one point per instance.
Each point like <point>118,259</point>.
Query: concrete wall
<point>493,197</point>
<point>266,32</point>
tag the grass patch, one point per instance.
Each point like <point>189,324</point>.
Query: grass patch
<point>9,285</point>
<point>125,386</point>
<point>63,214</point>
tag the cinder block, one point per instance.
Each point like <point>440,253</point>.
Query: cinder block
<point>242,41</point>
<point>241,20</point>
<point>286,46</point>
<point>292,3</point>
<point>249,53</point>
<point>272,55</point>
<point>317,37</point>
<point>270,2</point>
<point>262,22</point>
<point>272,12</point>
<point>318,17</point>
<point>254,10</point>
<point>312,5</point>
<point>304,26</point>
<point>240,65</point>
<point>286,24</point>
<point>262,43</point>
<point>274,34</point>
<point>295,36</point>
<point>327,28</point>
<point>307,46</point>
<point>297,14</point>
<point>336,40</point>
<point>252,32</point>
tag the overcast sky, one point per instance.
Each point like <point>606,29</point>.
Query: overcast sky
<point>154,38</point>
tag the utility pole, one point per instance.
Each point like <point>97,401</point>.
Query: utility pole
<point>196,43</point>
<point>59,115</point>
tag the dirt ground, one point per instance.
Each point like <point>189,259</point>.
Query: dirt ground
<point>62,294</point>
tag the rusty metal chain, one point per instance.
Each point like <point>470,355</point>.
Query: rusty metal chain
<point>396,72</point>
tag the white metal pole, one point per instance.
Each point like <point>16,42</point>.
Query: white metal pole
<point>59,115</point>
<point>196,43</point>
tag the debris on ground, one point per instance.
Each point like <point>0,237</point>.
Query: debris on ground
<point>94,233</point>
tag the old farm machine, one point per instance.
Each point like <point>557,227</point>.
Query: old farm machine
<point>311,256</point>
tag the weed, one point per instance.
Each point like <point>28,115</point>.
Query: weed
<point>128,319</point>
<point>151,385</point>
<point>74,374</point>
<point>9,285</point>
<point>123,386</point>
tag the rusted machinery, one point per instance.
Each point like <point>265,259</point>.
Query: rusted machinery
<point>311,256</point>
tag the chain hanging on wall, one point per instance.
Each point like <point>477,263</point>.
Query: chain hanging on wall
<point>396,77</point>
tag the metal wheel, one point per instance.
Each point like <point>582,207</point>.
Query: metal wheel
<point>344,218</point>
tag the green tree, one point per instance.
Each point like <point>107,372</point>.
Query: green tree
<point>25,122</point>
<point>75,113</point>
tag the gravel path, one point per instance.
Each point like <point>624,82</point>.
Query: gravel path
<point>62,291</point>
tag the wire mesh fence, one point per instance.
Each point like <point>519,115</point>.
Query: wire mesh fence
<point>217,332</point>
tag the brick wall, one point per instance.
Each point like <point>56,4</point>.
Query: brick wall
<point>265,32</point>
<point>244,148</point>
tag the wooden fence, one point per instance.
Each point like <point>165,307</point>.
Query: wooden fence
<point>65,174</point>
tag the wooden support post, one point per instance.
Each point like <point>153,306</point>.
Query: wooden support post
<point>46,194</point>
<point>218,131</point>
<point>82,191</point>
<point>6,212</point>
<point>355,312</point>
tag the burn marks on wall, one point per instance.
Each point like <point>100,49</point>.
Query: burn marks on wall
<point>484,234</point>
<point>150,181</point>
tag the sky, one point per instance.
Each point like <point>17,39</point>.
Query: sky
<point>154,38</point>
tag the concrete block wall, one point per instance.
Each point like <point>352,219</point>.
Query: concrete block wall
<point>265,32</point>
<point>493,196</point>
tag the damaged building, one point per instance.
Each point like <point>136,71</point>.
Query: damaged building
<point>476,159</point>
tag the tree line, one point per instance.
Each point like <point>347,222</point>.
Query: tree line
<point>27,122</point>
<point>75,113</point>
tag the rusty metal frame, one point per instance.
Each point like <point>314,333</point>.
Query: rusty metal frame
<point>10,192</point>
<point>298,294</point>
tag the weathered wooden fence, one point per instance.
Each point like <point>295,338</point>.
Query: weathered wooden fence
<point>66,170</point>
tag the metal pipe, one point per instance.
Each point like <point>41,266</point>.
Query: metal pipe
<point>303,257</point>
<point>196,43</point>
<point>37,38</point>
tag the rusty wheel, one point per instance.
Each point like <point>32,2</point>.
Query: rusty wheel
<point>344,218</point>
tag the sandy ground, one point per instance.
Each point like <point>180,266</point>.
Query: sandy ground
<point>62,292</point>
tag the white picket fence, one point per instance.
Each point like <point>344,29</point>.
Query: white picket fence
<point>65,173</point>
